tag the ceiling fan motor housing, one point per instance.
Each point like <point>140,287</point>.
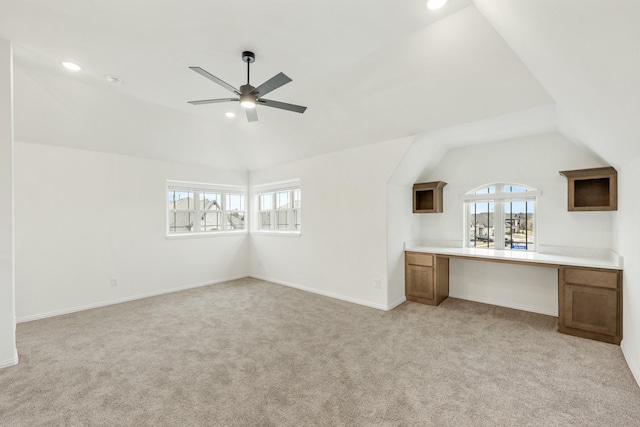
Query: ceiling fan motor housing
<point>246,89</point>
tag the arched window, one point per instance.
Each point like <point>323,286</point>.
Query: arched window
<point>501,216</point>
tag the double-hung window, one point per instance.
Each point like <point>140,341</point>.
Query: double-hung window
<point>278,207</point>
<point>195,208</point>
<point>501,216</point>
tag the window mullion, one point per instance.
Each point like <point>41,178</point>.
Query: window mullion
<point>526,223</point>
<point>499,225</point>
<point>196,214</point>
<point>290,218</point>
<point>475,225</point>
<point>224,220</point>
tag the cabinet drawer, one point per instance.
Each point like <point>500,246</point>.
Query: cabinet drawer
<point>416,258</point>
<point>602,279</point>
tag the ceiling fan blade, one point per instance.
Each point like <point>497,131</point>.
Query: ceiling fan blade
<point>282,105</point>
<point>252,114</point>
<point>215,79</point>
<point>273,83</point>
<point>212,101</point>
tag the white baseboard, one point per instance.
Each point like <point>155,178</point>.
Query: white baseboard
<point>397,303</point>
<point>327,294</point>
<point>121,300</point>
<point>10,362</point>
<point>507,304</point>
<point>635,370</point>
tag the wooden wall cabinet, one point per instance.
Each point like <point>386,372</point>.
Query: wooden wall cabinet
<point>427,197</point>
<point>590,303</point>
<point>593,189</point>
<point>426,278</point>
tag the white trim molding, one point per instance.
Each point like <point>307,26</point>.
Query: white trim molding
<point>276,233</point>
<point>206,234</point>
<point>330,294</point>
<point>125,299</point>
<point>633,367</point>
<point>10,362</point>
<point>507,304</point>
<point>396,303</point>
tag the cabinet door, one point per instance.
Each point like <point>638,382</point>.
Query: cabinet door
<point>591,309</point>
<point>590,303</point>
<point>420,282</point>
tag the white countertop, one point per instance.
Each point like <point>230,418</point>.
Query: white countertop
<point>607,259</point>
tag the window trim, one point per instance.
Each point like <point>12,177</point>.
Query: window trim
<point>498,199</point>
<point>274,187</point>
<point>198,187</point>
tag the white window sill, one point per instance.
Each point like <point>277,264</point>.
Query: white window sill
<point>276,233</point>
<point>200,235</point>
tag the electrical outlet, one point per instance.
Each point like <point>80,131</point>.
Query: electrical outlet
<point>115,281</point>
<point>377,284</point>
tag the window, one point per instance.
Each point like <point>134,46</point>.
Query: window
<point>278,207</point>
<point>204,208</point>
<point>501,216</point>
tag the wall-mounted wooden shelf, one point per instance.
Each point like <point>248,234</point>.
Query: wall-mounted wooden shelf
<point>427,197</point>
<point>593,189</point>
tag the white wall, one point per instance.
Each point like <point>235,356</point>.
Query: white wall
<point>83,217</point>
<point>402,226</point>
<point>425,152</point>
<point>534,161</point>
<point>343,247</point>
<point>8,354</point>
<point>627,238</point>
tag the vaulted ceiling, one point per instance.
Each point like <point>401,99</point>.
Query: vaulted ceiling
<point>368,71</point>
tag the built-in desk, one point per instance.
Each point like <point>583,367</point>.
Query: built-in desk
<point>589,287</point>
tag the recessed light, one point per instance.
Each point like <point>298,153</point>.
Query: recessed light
<point>435,4</point>
<point>230,114</point>
<point>112,79</point>
<point>71,66</point>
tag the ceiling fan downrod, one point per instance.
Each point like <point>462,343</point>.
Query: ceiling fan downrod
<point>248,57</point>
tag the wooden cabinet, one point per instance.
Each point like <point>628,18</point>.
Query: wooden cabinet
<point>593,189</point>
<point>427,197</point>
<point>589,299</point>
<point>426,278</point>
<point>590,303</point>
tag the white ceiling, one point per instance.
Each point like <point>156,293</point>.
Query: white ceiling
<point>368,71</point>
<point>586,53</point>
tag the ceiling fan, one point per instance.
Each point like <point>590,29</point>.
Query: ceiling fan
<point>248,95</point>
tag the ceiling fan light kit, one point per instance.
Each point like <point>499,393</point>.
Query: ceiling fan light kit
<point>250,96</point>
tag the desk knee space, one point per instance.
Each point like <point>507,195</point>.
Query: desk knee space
<point>589,299</point>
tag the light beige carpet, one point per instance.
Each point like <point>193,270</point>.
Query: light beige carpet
<point>252,353</point>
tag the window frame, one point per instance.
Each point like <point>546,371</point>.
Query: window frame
<point>292,212</point>
<point>500,198</point>
<point>198,188</point>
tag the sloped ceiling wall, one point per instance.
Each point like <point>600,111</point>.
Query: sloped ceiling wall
<point>585,53</point>
<point>400,72</point>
